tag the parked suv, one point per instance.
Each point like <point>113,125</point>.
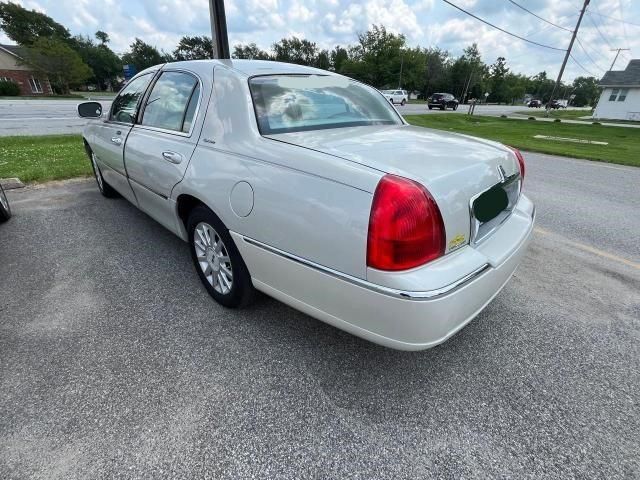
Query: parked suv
<point>396,96</point>
<point>556,104</point>
<point>534,104</point>
<point>442,101</point>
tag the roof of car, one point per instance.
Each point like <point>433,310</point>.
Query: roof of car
<point>247,67</point>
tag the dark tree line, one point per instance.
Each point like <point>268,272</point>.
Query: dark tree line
<point>380,58</point>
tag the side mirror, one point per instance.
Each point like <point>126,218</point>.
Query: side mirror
<point>90,110</point>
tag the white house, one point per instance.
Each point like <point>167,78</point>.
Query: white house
<point>620,98</point>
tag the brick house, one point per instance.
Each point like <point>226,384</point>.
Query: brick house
<point>30,81</point>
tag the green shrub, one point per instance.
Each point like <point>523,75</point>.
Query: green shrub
<point>596,123</point>
<point>532,118</point>
<point>9,88</point>
<point>557,120</point>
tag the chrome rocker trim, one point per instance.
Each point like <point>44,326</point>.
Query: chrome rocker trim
<point>405,295</point>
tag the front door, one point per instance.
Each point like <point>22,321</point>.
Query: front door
<point>159,147</point>
<point>111,135</point>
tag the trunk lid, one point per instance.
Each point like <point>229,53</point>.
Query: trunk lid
<point>455,168</point>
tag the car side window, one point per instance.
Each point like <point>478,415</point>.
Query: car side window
<point>125,105</point>
<point>172,102</point>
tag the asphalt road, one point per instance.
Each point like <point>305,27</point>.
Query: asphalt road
<point>46,117</point>
<point>41,117</point>
<point>114,363</point>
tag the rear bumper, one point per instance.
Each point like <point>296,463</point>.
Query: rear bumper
<point>391,316</point>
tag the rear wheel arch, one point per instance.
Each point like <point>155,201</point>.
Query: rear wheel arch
<point>186,203</point>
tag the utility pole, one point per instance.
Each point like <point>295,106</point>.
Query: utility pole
<point>401,65</point>
<point>618,50</point>
<point>219,29</point>
<point>567,54</point>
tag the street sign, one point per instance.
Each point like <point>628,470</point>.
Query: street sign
<point>129,71</point>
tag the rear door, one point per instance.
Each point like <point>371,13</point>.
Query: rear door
<point>160,146</point>
<point>111,134</point>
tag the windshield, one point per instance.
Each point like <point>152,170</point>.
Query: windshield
<point>294,103</point>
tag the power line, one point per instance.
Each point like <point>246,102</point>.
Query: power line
<point>618,19</point>
<point>582,66</point>
<point>589,56</point>
<point>598,30</point>
<point>502,29</point>
<point>624,26</point>
<point>539,17</point>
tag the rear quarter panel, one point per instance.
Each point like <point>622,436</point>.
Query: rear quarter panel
<point>306,203</point>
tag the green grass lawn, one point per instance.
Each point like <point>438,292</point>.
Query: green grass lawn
<point>42,158</point>
<point>623,147</point>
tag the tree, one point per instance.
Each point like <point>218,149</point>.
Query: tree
<point>103,37</point>
<point>250,52</point>
<point>296,50</point>
<point>499,88</point>
<point>586,91</point>
<point>376,59</point>
<point>58,61</point>
<point>541,86</point>
<point>25,27</point>
<point>436,70</point>
<point>337,58</point>
<point>193,48</point>
<point>142,55</point>
<point>104,63</point>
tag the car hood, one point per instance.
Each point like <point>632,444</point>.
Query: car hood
<point>453,167</point>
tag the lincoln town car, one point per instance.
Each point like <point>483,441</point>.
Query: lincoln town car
<point>310,187</point>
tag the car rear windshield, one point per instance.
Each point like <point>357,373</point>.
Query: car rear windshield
<point>294,103</point>
<point>438,96</point>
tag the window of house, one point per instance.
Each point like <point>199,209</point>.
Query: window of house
<point>614,94</point>
<point>623,94</point>
<point>36,87</point>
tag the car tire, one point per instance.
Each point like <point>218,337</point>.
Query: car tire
<point>455,107</point>
<point>443,107</point>
<point>5,208</point>
<point>403,102</point>
<point>217,260</point>
<point>430,107</point>
<point>105,189</point>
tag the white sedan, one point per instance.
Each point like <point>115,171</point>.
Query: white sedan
<point>311,188</point>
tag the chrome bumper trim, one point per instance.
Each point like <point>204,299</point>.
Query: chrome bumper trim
<point>405,295</point>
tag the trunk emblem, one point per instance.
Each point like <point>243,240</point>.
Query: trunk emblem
<point>502,173</point>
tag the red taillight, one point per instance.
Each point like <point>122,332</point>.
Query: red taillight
<point>405,227</point>
<point>520,163</point>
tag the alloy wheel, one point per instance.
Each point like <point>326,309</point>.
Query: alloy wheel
<point>213,258</point>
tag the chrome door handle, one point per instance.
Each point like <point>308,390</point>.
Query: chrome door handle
<point>116,140</point>
<point>172,157</point>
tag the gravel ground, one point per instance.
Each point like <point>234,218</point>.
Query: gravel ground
<point>115,363</point>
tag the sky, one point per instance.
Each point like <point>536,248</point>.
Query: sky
<point>427,23</point>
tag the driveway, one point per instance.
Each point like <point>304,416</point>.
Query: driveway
<point>114,363</point>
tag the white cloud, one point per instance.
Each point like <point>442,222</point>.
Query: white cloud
<point>330,22</point>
